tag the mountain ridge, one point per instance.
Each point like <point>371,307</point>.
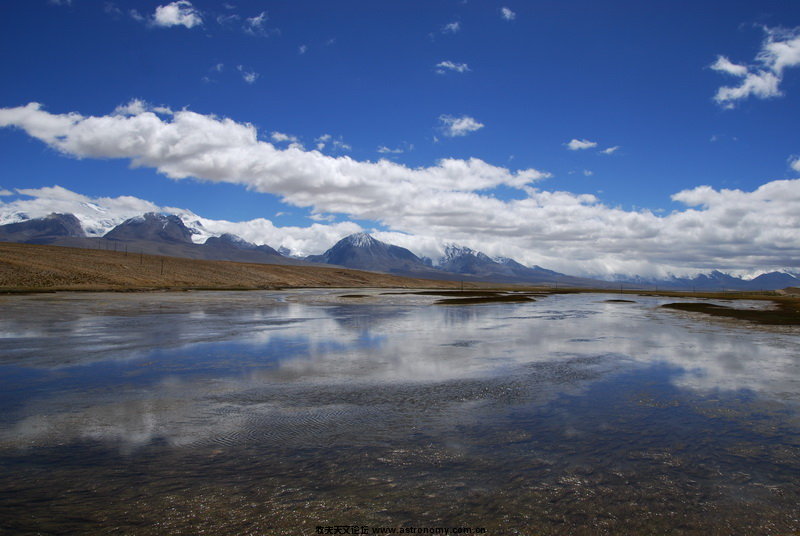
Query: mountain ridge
<point>167,234</point>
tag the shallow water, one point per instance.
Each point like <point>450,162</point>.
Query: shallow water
<point>278,412</point>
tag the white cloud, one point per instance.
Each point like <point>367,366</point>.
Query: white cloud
<point>779,50</point>
<point>724,65</point>
<point>179,13</point>
<point>794,163</point>
<point>135,15</point>
<point>293,141</point>
<point>302,49</point>
<point>4,192</point>
<point>458,126</point>
<point>451,28</point>
<point>134,107</point>
<point>60,2</point>
<point>507,14</point>
<point>248,76</point>
<point>588,172</point>
<point>385,150</point>
<point>450,201</point>
<point>255,25</point>
<point>610,150</point>
<point>443,66</point>
<point>280,137</point>
<point>577,145</point>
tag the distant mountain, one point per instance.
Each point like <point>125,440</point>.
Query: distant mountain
<point>168,235</point>
<point>151,233</point>
<point>717,280</point>
<point>363,252</point>
<point>714,281</point>
<point>42,230</point>
<point>233,248</point>
<point>468,262</point>
<point>232,242</point>
<point>152,227</point>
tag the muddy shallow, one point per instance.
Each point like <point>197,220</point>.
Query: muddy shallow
<point>278,412</point>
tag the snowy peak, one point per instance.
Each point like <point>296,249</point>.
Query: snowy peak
<point>154,227</point>
<point>361,240</point>
<point>42,230</point>
<point>452,252</point>
<point>363,252</point>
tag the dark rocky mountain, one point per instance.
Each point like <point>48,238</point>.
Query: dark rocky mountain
<point>234,248</point>
<point>232,242</point>
<point>167,235</point>
<point>42,230</point>
<point>363,252</point>
<point>154,227</point>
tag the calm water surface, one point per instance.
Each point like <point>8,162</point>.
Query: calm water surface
<point>275,413</point>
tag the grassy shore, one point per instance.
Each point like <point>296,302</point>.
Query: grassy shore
<point>34,268</point>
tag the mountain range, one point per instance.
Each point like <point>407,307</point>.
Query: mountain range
<point>161,234</point>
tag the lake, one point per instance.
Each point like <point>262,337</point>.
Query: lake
<point>305,412</point>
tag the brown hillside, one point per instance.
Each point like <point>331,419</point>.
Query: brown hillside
<point>26,267</point>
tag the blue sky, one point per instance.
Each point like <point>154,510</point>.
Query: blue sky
<point>518,81</point>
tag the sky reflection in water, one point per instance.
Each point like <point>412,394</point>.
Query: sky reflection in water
<point>132,368</point>
<point>568,387</point>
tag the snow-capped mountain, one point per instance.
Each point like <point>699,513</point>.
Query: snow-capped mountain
<point>42,230</point>
<point>184,235</point>
<point>468,262</point>
<point>152,226</point>
<point>361,251</point>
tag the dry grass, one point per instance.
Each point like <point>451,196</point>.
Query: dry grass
<point>34,268</point>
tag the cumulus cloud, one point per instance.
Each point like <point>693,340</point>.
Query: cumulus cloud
<point>794,163</point>
<point>179,13</point>
<point>507,14</point>
<point>577,145</point>
<point>610,150</point>
<point>458,126</point>
<point>779,51</point>
<point>443,66</point>
<point>450,201</point>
